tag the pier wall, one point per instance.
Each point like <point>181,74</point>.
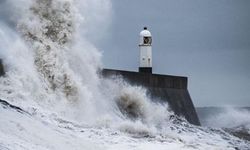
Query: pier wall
<point>163,88</point>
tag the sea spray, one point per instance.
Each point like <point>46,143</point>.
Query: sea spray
<point>65,67</point>
<point>49,31</point>
<point>231,118</point>
<point>48,61</point>
<point>52,73</point>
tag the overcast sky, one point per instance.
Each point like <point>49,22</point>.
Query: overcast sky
<point>206,40</point>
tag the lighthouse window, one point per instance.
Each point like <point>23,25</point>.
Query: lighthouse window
<point>147,40</point>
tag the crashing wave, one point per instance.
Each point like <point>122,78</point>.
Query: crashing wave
<point>54,80</point>
<point>49,31</point>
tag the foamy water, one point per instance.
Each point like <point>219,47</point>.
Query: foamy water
<point>229,117</point>
<point>52,74</point>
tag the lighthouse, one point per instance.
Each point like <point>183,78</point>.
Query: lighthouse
<point>160,87</point>
<point>145,48</point>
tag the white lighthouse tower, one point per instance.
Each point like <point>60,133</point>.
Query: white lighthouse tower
<point>145,51</point>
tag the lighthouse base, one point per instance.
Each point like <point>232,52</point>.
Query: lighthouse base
<point>145,69</point>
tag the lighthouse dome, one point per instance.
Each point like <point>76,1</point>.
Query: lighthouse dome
<point>145,33</point>
<point>145,37</point>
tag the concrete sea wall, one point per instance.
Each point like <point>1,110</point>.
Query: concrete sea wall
<point>163,88</point>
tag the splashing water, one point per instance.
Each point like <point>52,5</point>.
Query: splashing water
<point>229,117</point>
<point>52,73</point>
<point>62,67</point>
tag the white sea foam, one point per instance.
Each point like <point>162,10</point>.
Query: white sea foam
<point>52,73</point>
<point>230,117</point>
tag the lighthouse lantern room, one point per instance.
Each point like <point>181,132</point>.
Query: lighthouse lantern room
<point>145,47</point>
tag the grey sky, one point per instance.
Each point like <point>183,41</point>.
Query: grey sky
<point>206,40</point>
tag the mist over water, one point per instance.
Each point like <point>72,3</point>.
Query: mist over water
<point>52,73</point>
<point>228,117</point>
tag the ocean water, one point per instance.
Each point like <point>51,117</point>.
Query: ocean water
<point>54,98</point>
<point>233,118</point>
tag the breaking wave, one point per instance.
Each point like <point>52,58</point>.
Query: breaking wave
<point>52,72</point>
<point>57,67</point>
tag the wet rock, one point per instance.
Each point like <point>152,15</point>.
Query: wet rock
<point>1,68</point>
